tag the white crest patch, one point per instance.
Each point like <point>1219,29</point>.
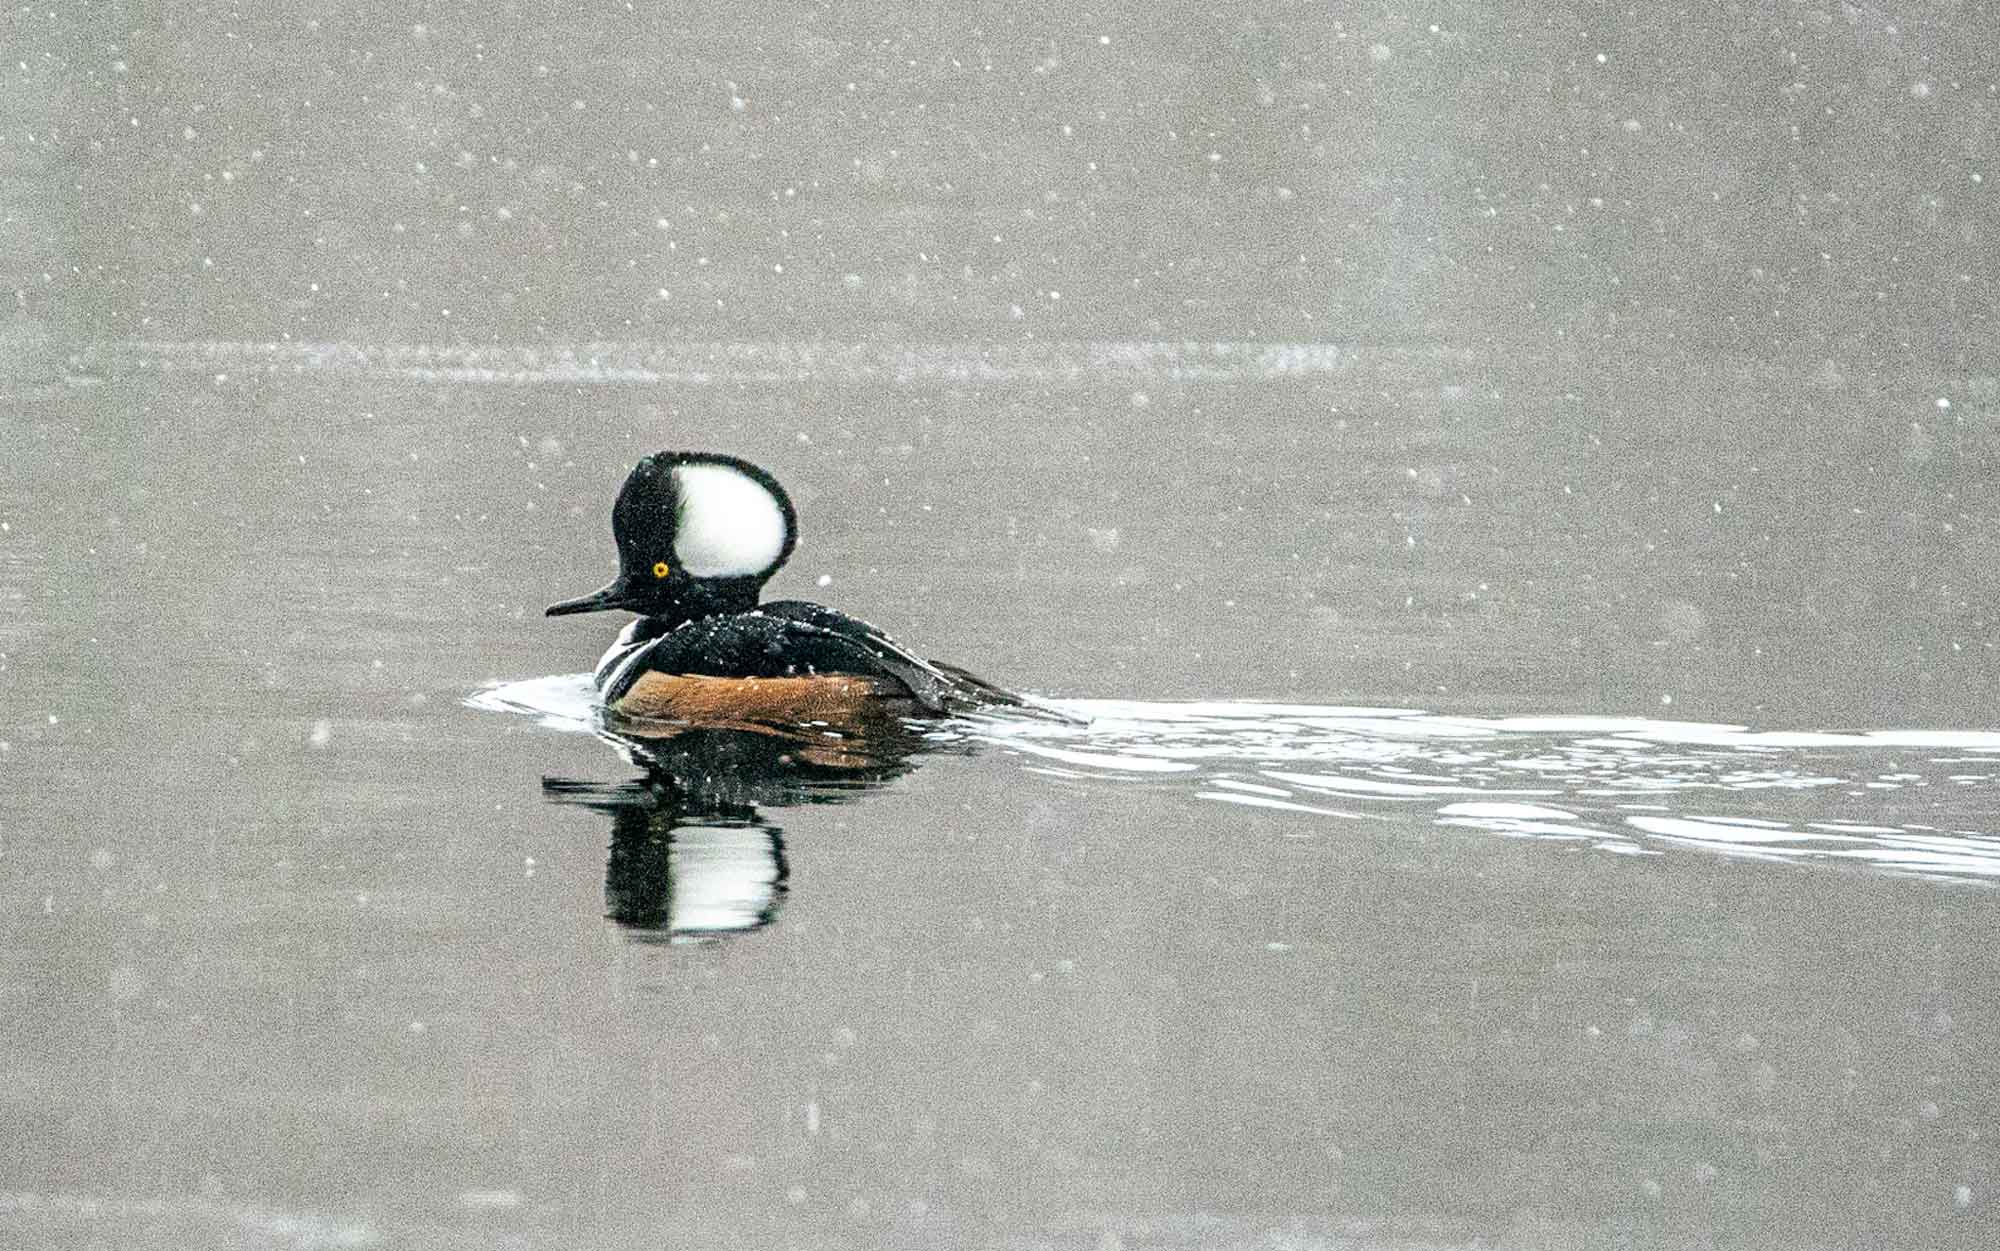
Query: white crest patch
<point>729,525</point>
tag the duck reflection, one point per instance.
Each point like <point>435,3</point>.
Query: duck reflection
<point>692,855</point>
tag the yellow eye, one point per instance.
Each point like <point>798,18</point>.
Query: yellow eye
<point>660,569</point>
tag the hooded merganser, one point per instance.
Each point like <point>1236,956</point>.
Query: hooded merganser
<point>698,536</point>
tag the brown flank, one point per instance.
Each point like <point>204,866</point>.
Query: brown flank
<point>841,700</point>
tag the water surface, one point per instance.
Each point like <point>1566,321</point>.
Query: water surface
<point>1512,493</point>
<point>1428,921</point>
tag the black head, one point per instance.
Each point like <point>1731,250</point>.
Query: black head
<point>697,533</point>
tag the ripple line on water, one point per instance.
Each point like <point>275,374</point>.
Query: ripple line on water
<point>1618,784</point>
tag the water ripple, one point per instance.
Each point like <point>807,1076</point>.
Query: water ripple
<point>719,362</point>
<point>1923,802</point>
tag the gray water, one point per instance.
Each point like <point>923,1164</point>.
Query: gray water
<point>1506,498</point>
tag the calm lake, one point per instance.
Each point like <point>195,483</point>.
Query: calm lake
<point>1507,504</point>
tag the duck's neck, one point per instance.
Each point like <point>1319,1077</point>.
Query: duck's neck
<point>698,600</point>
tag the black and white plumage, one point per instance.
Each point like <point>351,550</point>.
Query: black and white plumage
<point>698,535</point>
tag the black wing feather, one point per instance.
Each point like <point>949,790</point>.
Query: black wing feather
<point>941,687</point>
<point>934,687</point>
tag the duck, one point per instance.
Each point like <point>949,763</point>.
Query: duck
<point>698,535</point>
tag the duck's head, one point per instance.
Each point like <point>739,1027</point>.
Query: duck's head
<point>697,533</point>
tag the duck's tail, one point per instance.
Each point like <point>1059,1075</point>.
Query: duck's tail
<point>972,693</point>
